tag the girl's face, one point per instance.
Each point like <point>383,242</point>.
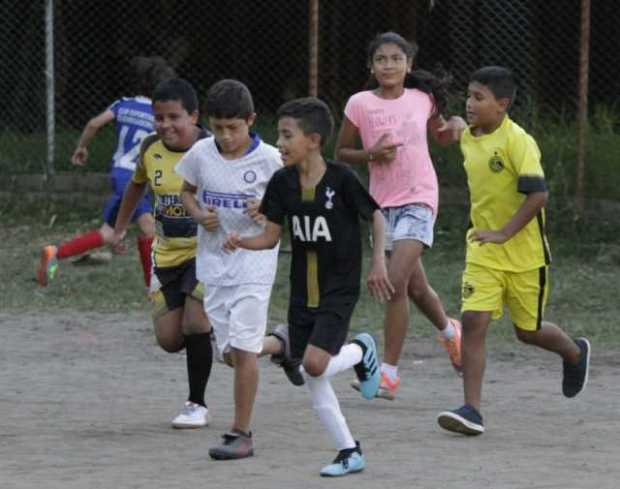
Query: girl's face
<point>390,65</point>
<point>174,125</point>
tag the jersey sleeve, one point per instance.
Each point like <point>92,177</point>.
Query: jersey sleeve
<point>114,106</point>
<point>188,167</point>
<point>525,156</point>
<point>140,174</point>
<point>272,205</point>
<point>353,111</point>
<point>357,197</point>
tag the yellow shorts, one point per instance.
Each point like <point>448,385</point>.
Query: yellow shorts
<point>524,293</point>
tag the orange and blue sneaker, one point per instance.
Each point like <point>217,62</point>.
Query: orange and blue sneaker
<point>48,265</point>
<point>387,387</point>
<point>453,345</point>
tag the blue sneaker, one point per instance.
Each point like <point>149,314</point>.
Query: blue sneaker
<point>367,370</point>
<point>466,420</point>
<point>348,461</point>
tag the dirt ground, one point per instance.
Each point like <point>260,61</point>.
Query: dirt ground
<point>86,402</point>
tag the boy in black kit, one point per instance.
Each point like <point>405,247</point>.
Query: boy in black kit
<point>323,202</point>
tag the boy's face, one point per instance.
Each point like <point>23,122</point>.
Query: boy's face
<point>294,145</point>
<point>173,124</point>
<point>232,135</point>
<point>390,65</point>
<point>484,111</point>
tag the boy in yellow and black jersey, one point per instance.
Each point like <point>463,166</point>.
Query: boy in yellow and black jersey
<point>178,313</point>
<point>507,255</point>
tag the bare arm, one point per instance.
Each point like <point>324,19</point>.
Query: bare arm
<point>378,282</point>
<point>446,132</point>
<point>207,218</point>
<point>528,210</point>
<point>133,194</point>
<point>80,155</point>
<point>268,239</point>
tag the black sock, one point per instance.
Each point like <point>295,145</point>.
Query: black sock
<point>199,361</point>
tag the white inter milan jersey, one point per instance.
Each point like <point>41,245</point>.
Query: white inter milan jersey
<point>227,186</point>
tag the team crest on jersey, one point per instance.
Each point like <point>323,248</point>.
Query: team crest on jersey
<point>468,290</point>
<point>496,164</point>
<point>304,229</point>
<point>329,193</point>
<point>249,176</point>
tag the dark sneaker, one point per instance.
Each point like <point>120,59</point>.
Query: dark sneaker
<point>234,445</point>
<point>367,370</point>
<point>576,376</point>
<point>284,360</point>
<point>466,420</point>
<point>348,461</point>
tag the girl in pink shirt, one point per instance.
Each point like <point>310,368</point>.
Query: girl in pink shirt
<point>392,120</point>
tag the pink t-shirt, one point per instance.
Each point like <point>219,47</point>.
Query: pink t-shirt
<point>411,177</point>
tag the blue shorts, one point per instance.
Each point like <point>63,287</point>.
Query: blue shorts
<point>410,221</point>
<point>113,204</point>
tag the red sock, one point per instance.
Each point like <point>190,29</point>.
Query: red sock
<point>80,244</point>
<point>144,248</point>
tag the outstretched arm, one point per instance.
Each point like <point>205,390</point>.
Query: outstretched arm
<point>80,155</point>
<point>528,210</point>
<point>268,239</point>
<point>133,194</point>
<point>446,131</point>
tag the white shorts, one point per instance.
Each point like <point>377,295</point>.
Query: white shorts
<point>238,315</point>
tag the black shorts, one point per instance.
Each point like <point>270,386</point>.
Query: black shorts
<point>177,283</point>
<point>325,328</point>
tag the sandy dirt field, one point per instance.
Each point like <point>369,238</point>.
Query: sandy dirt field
<point>86,402</point>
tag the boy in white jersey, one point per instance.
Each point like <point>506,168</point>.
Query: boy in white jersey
<point>223,177</point>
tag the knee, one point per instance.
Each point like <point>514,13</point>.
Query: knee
<point>313,367</point>
<point>195,327</point>
<point>527,337</point>
<point>170,344</point>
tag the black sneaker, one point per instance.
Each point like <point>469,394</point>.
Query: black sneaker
<point>576,376</point>
<point>284,360</point>
<point>466,420</point>
<point>234,445</point>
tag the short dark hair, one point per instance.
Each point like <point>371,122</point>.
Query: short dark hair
<point>312,115</point>
<point>499,80</point>
<point>229,99</point>
<point>177,89</point>
<point>148,72</point>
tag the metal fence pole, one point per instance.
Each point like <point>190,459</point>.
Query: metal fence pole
<point>313,41</point>
<point>49,85</point>
<point>582,111</point>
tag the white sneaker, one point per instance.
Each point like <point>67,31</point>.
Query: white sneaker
<point>192,416</point>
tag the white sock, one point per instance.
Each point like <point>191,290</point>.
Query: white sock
<point>390,370</point>
<point>348,356</point>
<point>325,403</point>
<point>448,332</point>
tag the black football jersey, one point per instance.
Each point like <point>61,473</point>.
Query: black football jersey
<point>324,225</point>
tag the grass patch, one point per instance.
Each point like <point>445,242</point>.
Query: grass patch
<point>584,276</point>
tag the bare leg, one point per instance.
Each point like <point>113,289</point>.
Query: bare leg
<point>551,338</point>
<point>425,297</point>
<point>400,267</point>
<point>246,384</point>
<point>169,330</point>
<point>475,325</point>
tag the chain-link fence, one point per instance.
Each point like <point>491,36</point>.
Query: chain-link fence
<point>267,45</point>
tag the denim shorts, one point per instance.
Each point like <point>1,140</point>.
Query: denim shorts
<point>410,221</point>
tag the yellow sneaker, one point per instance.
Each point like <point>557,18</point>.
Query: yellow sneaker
<point>387,387</point>
<point>453,345</point>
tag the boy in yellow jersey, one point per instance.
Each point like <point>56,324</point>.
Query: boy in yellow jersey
<point>507,251</point>
<point>178,314</point>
